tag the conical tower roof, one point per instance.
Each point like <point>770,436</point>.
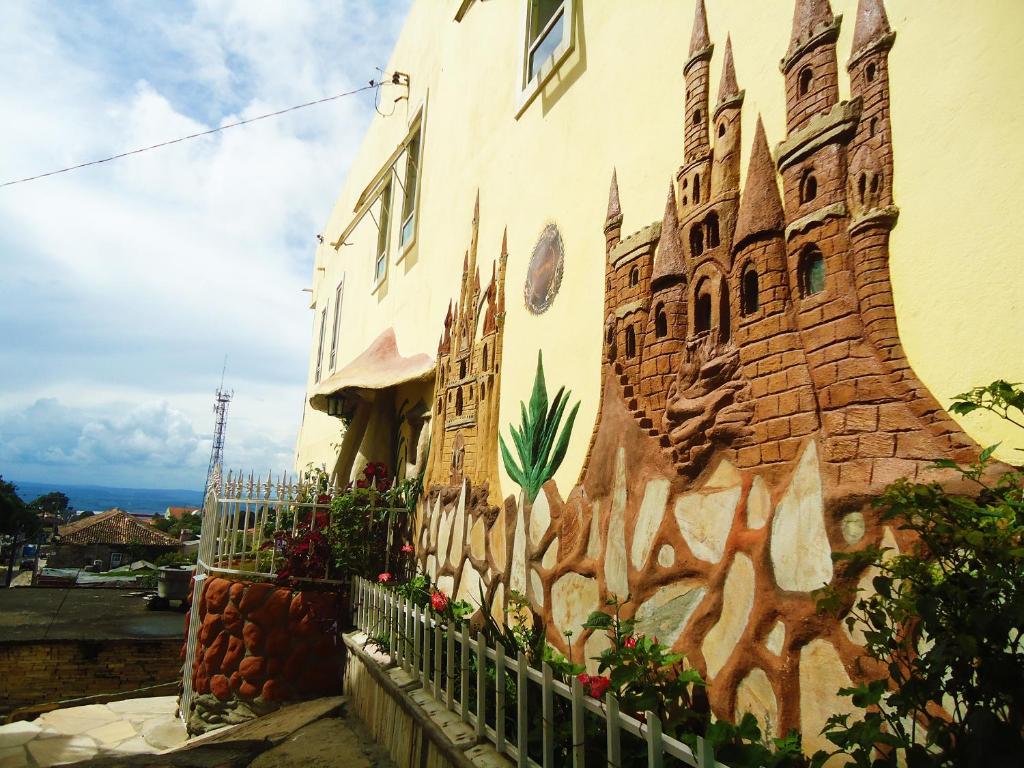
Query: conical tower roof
<point>760,206</point>
<point>808,15</point>
<point>669,259</point>
<point>872,23</point>
<point>728,86</point>
<point>614,209</point>
<point>699,39</point>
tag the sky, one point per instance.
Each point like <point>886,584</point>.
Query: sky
<point>124,285</point>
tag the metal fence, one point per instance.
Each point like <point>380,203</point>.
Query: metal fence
<point>453,668</point>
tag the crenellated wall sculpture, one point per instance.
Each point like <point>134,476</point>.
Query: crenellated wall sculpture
<point>755,397</point>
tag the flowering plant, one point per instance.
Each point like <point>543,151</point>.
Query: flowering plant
<point>439,601</point>
<point>595,685</point>
<point>384,578</point>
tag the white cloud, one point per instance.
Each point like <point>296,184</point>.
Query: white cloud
<point>124,284</point>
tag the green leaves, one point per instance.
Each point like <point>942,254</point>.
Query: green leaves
<point>539,446</point>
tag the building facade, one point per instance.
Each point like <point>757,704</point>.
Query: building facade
<point>740,346</point>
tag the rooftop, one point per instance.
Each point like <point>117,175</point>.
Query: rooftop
<point>114,527</point>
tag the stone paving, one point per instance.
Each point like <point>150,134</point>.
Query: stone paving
<point>129,727</point>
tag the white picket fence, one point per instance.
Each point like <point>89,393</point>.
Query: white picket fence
<point>418,642</point>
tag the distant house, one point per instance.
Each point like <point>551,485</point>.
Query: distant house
<point>176,513</point>
<point>114,538</point>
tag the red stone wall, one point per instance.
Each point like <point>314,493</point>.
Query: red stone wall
<point>261,641</point>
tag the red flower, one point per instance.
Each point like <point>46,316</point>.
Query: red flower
<point>629,642</point>
<point>384,578</point>
<point>599,685</point>
<point>380,470</point>
<point>439,600</point>
<point>369,471</point>
<point>408,549</point>
<point>584,679</point>
<point>362,483</point>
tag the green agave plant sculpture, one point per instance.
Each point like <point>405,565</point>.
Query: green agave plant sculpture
<point>539,453</point>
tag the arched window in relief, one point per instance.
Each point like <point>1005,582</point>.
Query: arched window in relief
<point>630,342</point>
<point>872,126</point>
<point>485,357</point>
<point>862,186</point>
<point>483,390</point>
<point>634,276</point>
<point>749,299</point>
<point>660,321</point>
<point>711,224</point>
<point>610,339</point>
<point>806,78</point>
<point>458,402</point>
<point>702,307</point>
<point>870,72</point>
<point>696,240</point>
<point>696,188</point>
<point>812,272</point>
<point>808,187</point>
<point>696,117</point>
<point>724,315</point>
<point>721,130</point>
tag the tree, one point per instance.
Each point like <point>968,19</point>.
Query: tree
<point>945,620</point>
<point>55,503</point>
<point>17,521</point>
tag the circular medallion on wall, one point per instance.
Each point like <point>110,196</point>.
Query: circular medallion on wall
<point>544,274</point>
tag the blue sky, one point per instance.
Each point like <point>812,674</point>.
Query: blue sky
<point>123,285</point>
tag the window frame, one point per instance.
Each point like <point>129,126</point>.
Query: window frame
<point>528,87</point>
<point>382,250</point>
<point>415,135</point>
<point>320,346</point>
<point>339,294</point>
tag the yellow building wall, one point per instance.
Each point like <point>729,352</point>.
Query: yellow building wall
<point>617,102</point>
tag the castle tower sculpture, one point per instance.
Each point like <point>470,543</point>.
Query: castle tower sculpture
<point>771,355</point>
<point>812,74</point>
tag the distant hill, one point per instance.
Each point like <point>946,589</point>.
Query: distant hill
<point>96,498</point>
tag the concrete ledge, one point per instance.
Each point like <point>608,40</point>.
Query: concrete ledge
<point>414,728</point>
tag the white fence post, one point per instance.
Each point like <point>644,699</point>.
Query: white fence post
<point>481,690</point>
<point>499,696</point>
<point>654,748</point>
<point>449,694</point>
<point>578,734</point>
<point>612,727</point>
<point>548,715</point>
<point>522,681</point>
<point>437,657</point>
<point>464,674</point>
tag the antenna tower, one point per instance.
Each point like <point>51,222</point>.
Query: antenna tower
<point>220,410</point>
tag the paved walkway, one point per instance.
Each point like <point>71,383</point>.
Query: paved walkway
<point>129,727</point>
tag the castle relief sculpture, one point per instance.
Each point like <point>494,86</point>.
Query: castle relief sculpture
<point>755,396</point>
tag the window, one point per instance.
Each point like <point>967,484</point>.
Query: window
<point>702,308</point>
<point>610,339</point>
<point>634,276</point>
<point>458,402</point>
<point>749,299</point>
<point>338,292</point>
<point>696,188</point>
<point>711,224</point>
<point>546,30</point>
<point>806,77</point>
<point>697,239</point>
<point>485,357</point>
<point>721,129</point>
<point>696,117</point>
<point>808,187</point>
<point>320,344</point>
<point>115,559</point>
<point>812,272</point>
<point>870,72</point>
<point>380,267</point>
<point>411,190</point>
<point>660,321</point>
<point>630,342</point>
<point>462,369</point>
<point>862,186</point>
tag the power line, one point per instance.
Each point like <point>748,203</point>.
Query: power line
<point>372,84</point>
